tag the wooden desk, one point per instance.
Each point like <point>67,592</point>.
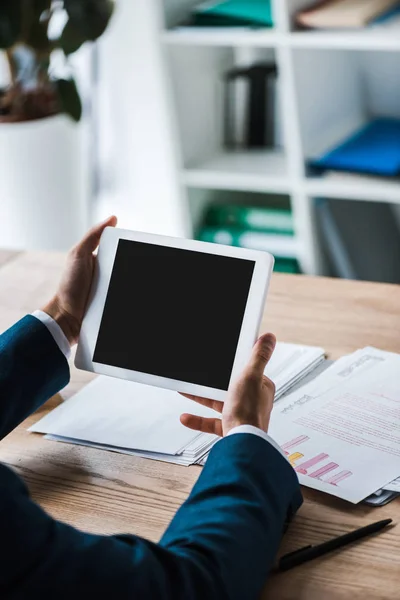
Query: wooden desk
<point>107,493</point>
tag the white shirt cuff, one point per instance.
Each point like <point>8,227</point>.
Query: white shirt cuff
<point>256,431</point>
<point>55,330</point>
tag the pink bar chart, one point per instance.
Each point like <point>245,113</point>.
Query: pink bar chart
<point>295,442</point>
<point>324,470</point>
<point>303,467</point>
<point>318,466</point>
<point>339,477</point>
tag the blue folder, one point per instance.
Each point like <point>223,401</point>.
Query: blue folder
<point>374,150</point>
<point>387,16</point>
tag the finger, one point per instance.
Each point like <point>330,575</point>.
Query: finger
<point>202,424</point>
<point>91,240</point>
<point>262,353</point>
<point>214,404</point>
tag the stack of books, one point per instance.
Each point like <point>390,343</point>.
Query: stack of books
<point>348,14</point>
<point>256,228</point>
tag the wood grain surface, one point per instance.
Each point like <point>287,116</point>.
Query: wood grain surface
<point>105,492</point>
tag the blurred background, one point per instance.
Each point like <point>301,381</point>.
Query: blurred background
<point>268,124</point>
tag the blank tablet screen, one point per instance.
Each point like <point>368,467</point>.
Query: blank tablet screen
<point>174,313</point>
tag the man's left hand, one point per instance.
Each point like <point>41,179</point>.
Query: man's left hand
<point>68,306</point>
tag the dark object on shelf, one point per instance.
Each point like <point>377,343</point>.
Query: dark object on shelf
<point>233,13</point>
<point>361,239</point>
<point>373,150</point>
<point>255,127</point>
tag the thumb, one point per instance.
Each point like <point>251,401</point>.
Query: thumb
<point>262,353</point>
<point>92,239</point>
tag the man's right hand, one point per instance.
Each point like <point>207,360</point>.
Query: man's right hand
<point>249,401</point>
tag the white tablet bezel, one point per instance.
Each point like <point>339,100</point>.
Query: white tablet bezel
<point>104,265</point>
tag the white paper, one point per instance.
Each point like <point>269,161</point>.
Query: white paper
<point>131,418</point>
<point>394,486</point>
<point>342,431</point>
<point>185,459</point>
<point>341,371</point>
<point>290,363</point>
<point>124,414</point>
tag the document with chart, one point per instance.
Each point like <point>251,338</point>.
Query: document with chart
<point>341,433</point>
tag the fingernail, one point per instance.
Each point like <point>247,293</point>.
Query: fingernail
<point>269,340</point>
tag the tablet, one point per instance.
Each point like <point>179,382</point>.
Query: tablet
<point>173,313</point>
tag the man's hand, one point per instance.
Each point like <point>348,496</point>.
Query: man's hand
<point>250,400</point>
<point>68,306</point>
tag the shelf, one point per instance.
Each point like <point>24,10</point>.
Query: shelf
<point>331,83</point>
<point>258,171</point>
<point>355,187</point>
<point>367,39</point>
<point>200,36</point>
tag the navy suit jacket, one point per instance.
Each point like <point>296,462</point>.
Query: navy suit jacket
<point>221,543</point>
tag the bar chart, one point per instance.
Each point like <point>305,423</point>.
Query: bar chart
<point>319,466</point>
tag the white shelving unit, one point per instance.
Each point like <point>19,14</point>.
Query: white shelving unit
<point>329,84</point>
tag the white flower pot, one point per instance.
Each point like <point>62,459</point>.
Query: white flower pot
<point>43,184</point>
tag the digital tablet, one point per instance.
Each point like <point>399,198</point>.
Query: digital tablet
<point>173,313</point>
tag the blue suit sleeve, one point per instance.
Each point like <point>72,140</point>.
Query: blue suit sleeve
<point>221,544</point>
<point>32,369</point>
<point>247,483</point>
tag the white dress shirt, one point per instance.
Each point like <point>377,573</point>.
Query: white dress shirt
<point>63,344</point>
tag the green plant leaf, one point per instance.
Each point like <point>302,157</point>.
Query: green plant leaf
<point>69,98</point>
<point>71,39</point>
<point>90,17</point>
<point>10,22</point>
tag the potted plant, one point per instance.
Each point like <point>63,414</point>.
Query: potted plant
<point>43,197</point>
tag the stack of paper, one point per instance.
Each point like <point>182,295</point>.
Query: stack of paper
<point>341,432</point>
<point>291,363</point>
<point>144,421</point>
<point>130,418</point>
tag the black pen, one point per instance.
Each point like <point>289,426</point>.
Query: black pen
<point>298,557</point>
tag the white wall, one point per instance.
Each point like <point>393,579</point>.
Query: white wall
<point>381,80</point>
<point>138,150</point>
<point>319,76</point>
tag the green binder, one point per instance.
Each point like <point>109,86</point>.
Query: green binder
<point>243,13</point>
<point>283,246</point>
<point>267,220</point>
<point>232,236</point>
<point>287,265</point>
